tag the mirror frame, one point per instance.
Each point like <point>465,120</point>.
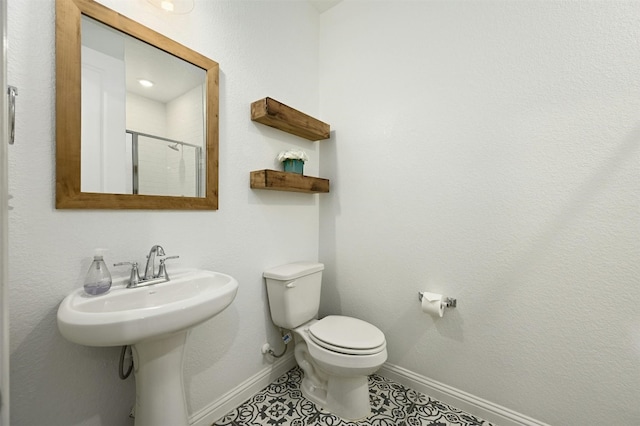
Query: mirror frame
<point>68,112</point>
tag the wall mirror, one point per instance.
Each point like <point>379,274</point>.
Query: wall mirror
<point>136,115</point>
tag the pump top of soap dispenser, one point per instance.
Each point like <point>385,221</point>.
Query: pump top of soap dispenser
<point>99,252</point>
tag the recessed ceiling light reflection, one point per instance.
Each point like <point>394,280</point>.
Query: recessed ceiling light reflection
<point>167,5</point>
<point>178,7</point>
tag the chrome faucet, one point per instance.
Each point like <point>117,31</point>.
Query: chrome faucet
<point>150,275</point>
<point>150,269</point>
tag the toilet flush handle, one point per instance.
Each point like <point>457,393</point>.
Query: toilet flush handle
<point>290,284</point>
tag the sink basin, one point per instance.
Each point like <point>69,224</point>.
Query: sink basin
<point>126,316</point>
<point>155,320</point>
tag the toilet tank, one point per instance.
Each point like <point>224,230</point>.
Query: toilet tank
<point>294,293</point>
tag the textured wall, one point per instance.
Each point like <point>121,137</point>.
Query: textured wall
<point>490,150</point>
<point>55,382</point>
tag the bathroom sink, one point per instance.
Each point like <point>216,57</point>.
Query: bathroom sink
<point>127,316</point>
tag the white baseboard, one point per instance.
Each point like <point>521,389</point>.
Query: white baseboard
<point>245,390</point>
<point>472,404</point>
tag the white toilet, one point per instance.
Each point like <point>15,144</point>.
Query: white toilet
<point>336,353</point>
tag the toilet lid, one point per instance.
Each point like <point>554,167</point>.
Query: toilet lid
<point>347,335</point>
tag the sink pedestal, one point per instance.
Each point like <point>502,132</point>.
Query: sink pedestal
<point>160,398</point>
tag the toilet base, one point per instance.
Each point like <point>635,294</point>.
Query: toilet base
<point>345,397</point>
<point>348,397</point>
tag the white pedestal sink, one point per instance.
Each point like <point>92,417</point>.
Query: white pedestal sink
<point>155,320</point>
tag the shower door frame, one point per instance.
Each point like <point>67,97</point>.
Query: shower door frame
<point>134,157</point>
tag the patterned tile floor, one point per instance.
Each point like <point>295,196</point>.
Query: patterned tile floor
<point>282,404</point>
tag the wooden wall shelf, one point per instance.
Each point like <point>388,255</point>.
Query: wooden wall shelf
<point>285,181</point>
<point>272,113</point>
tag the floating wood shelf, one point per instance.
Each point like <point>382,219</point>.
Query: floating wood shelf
<point>276,114</point>
<point>285,181</point>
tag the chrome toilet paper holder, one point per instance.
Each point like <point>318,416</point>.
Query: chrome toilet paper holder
<point>448,302</point>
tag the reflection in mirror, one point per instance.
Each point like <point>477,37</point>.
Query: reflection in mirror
<point>136,115</point>
<point>137,101</point>
<point>155,171</point>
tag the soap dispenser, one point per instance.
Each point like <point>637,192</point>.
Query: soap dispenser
<point>98,280</point>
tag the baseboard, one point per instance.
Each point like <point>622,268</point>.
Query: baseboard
<point>245,390</point>
<point>472,404</point>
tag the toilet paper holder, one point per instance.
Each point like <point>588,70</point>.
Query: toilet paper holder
<point>448,302</point>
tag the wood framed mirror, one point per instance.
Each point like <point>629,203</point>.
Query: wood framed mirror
<point>99,162</point>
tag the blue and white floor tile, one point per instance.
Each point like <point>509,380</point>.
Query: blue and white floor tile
<point>282,404</point>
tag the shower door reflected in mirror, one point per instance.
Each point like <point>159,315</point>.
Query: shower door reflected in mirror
<point>161,166</point>
<point>143,117</point>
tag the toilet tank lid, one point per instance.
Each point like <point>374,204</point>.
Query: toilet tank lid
<point>291,271</point>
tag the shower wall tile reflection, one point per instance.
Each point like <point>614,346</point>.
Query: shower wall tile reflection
<point>164,167</point>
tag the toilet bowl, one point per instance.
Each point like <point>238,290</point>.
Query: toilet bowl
<point>336,353</point>
<point>335,377</point>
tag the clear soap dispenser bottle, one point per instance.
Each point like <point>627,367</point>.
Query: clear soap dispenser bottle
<point>98,280</point>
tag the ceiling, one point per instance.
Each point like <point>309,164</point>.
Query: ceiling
<point>323,5</point>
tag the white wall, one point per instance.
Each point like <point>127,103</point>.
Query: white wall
<point>56,382</point>
<point>185,116</point>
<point>145,115</point>
<point>490,150</point>
<point>103,151</point>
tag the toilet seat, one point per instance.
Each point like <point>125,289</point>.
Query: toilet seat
<point>339,361</point>
<point>347,335</point>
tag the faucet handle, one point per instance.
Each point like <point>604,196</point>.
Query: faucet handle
<point>162,272</point>
<point>134,277</point>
